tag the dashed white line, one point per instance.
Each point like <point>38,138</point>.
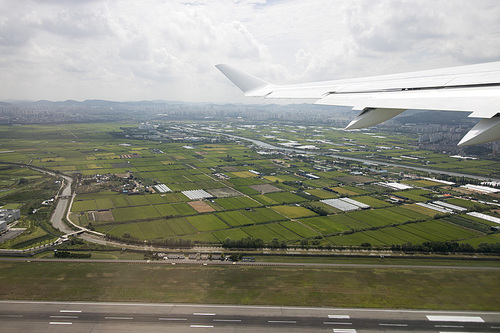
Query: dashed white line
<point>201,326</point>
<point>336,323</point>
<point>342,330</point>
<point>461,319</point>
<point>69,317</point>
<point>448,326</point>
<point>282,321</point>
<point>70,311</point>
<point>119,318</point>
<point>229,320</point>
<point>396,325</point>
<point>60,323</point>
<point>203,314</point>
<point>173,319</point>
<point>339,317</point>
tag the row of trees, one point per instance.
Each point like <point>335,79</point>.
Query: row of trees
<point>67,254</point>
<point>257,243</point>
<point>447,247</point>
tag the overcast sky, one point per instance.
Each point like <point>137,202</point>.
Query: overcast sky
<point>150,49</point>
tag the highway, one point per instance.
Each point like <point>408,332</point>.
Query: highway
<point>133,317</point>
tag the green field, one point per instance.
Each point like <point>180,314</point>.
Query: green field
<point>413,288</point>
<point>206,222</point>
<point>114,194</point>
<point>294,212</point>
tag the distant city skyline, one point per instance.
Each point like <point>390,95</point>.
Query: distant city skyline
<point>166,50</point>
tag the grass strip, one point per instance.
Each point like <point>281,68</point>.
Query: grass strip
<point>450,289</point>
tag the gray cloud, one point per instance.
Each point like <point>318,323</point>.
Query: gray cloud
<point>167,49</point>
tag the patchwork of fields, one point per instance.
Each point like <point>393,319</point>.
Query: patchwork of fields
<point>278,203</point>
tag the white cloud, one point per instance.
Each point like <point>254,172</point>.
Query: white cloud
<point>131,50</point>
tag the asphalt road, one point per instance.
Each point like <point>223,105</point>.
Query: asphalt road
<point>128,317</point>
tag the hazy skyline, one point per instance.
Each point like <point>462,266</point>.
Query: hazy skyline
<point>145,50</point>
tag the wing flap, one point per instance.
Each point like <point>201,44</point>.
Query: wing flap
<point>483,102</point>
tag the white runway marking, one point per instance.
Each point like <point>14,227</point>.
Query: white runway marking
<point>70,317</point>
<point>448,326</point>
<point>178,319</point>
<point>339,317</point>
<point>119,318</point>
<point>336,323</point>
<point>201,326</point>
<point>282,321</point>
<point>229,320</point>
<point>461,319</point>
<point>396,325</point>
<point>70,311</point>
<point>203,314</point>
<point>60,323</point>
<point>347,330</point>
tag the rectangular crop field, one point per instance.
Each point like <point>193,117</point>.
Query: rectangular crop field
<point>299,228</point>
<point>206,222</point>
<point>294,211</point>
<point>135,213</point>
<point>284,197</point>
<point>235,218</point>
<point>237,203</point>
<point>84,205</point>
<point>262,232</point>
<point>372,202</point>
<point>234,234</point>
<point>415,195</point>
<point>324,224</point>
<point>262,215</point>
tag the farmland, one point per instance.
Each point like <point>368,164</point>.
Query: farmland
<point>250,194</point>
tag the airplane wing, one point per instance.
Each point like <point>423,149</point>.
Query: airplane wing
<point>473,88</point>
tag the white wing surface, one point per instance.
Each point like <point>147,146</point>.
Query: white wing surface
<point>473,88</point>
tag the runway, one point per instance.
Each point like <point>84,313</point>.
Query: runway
<point>132,317</point>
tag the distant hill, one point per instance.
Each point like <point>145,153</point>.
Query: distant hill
<point>434,117</point>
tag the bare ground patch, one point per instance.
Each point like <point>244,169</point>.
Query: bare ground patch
<point>98,216</point>
<point>201,206</point>
<point>265,188</point>
<point>224,192</point>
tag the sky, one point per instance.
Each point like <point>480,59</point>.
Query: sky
<point>129,50</point>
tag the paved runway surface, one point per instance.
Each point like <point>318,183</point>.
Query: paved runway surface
<point>129,317</point>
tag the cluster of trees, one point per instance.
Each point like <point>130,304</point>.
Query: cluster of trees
<point>167,242</point>
<point>66,254</point>
<point>445,247</point>
<point>318,210</point>
<point>244,243</point>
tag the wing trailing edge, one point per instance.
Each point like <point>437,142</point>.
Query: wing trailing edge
<point>474,89</point>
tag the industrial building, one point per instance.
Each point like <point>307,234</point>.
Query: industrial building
<point>7,216</point>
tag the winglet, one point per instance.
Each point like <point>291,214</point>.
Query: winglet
<point>246,82</point>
